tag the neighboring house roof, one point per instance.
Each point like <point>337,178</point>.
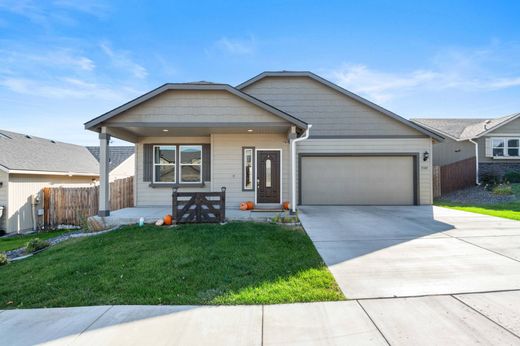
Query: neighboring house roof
<point>350,94</point>
<point>91,125</point>
<point>19,152</point>
<point>116,154</point>
<point>464,129</point>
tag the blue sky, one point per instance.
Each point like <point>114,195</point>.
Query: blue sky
<point>64,62</point>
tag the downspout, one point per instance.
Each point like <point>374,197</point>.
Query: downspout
<point>293,164</point>
<point>476,161</point>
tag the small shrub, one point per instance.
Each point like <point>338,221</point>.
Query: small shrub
<point>490,179</point>
<point>512,177</point>
<point>3,259</point>
<point>503,190</point>
<point>36,244</point>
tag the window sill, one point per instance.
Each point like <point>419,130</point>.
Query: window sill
<point>506,157</point>
<point>169,186</point>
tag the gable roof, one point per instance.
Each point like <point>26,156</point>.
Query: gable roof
<point>116,154</point>
<point>343,91</point>
<point>464,129</point>
<point>19,152</point>
<point>92,124</point>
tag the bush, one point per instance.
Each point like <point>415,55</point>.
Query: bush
<point>3,259</point>
<point>502,190</point>
<point>512,177</point>
<point>36,244</point>
<point>490,179</point>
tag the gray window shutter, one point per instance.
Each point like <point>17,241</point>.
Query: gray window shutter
<point>147,162</point>
<point>206,162</point>
<point>489,147</point>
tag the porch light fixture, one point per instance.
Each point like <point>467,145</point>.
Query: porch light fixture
<point>165,130</point>
<point>249,130</point>
<point>426,155</point>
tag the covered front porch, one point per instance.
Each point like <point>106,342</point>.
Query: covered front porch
<point>129,216</point>
<point>200,138</point>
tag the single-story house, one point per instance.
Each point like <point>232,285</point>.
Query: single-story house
<point>28,164</point>
<point>280,136</point>
<point>494,142</point>
<point>121,161</point>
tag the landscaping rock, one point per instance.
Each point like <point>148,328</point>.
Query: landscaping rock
<point>477,195</point>
<point>159,222</point>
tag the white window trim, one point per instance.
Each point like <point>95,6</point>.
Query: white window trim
<point>189,164</point>
<point>505,148</point>
<point>244,168</point>
<point>281,172</point>
<point>164,164</point>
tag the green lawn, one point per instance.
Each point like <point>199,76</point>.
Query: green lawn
<point>15,242</point>
<point>237,263</point>
<point>509,210</point>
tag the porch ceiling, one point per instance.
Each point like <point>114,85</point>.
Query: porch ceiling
<point>131,132</point>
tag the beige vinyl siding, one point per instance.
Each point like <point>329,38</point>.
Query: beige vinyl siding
<point>451,151</point>
<point>511,129</point>
<point>196,106</point>
<point>124,170</point>
<point>330,112</point>
<point>145,195</point>
<point>227,163</point>
<point>403,145</point>
<point>4,195</point>
<point>23,186</point>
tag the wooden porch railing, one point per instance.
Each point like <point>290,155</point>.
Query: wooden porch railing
<point>199,207</point>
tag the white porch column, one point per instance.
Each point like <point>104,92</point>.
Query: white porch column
<point>104,182</point>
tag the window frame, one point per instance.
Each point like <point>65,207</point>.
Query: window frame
<point>154,164</point>
<point>253,167</point>
<point>505,148</point>
<point>180,164</point>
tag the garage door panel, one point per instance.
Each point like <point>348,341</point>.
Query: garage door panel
<point>357,180</point>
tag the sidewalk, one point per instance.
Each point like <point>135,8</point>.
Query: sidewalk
<point>486,318</point>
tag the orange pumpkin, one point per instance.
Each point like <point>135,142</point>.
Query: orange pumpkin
<point>285,205</point>
<point>167,219</point>
<point>243,206</point>
<point>250,205</point>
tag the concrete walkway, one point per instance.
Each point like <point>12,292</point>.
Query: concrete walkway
<point>488,318</point>
<point>377,252</point>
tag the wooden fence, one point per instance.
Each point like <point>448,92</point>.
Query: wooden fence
<point>73,205</point>
<point>455,176</point>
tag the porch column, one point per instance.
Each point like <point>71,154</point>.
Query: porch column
<point>104,185</point>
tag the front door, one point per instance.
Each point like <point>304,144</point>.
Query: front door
<point>268,177</point>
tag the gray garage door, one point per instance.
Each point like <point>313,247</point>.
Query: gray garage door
<point>357,180</point>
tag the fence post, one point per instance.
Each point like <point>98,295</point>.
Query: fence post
<point>175,209</point>
<point>223,205</point>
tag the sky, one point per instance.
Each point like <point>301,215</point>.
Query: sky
<point>64,62</point>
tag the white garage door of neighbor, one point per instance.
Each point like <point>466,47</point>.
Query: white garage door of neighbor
<point>357,180</point>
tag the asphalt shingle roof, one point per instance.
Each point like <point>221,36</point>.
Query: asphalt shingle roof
<point>24,152</point>
<point>464,128</point>
<point>116,154</point>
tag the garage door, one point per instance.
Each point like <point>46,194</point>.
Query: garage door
<point>357,180</point>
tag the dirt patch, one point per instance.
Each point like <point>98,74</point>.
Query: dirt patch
<point>477,195</point>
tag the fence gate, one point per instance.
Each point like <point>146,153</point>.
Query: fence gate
<point>199,207</point>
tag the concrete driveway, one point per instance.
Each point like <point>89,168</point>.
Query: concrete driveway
<point>378,252</point>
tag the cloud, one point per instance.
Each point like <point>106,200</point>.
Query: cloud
<point>236,46</point>
<point>122,60</point>
<point>456,70</point>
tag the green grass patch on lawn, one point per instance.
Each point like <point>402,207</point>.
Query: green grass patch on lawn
<point>507,210</point>
<point>236,263</point>
<point>18,241</point>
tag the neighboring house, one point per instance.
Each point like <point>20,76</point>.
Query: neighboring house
<point>252,139</point>
<point>121,161</point>
<point>28,164</point>
<point>495,142</point>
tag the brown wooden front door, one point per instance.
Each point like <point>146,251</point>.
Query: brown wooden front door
<point>268,177</point>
